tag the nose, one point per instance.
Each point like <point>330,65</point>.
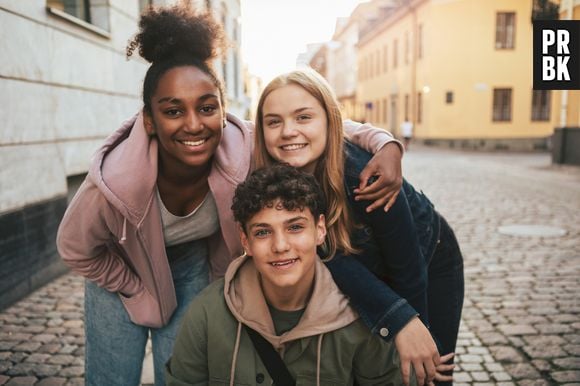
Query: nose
<point>280,243</point>
<point>192,122</point>
<point>289,131</point>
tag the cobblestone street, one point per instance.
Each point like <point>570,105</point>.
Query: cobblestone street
<point>521,318</point>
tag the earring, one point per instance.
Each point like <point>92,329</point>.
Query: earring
<point>224,124</point>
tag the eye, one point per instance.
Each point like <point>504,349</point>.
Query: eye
<point>261,233</point>
<point>172,113</point>
<point>272,122</point>
<point>303,117</point>
<point>208,109</point>
<point>295,228</point>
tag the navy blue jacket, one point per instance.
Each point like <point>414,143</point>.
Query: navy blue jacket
<point>387,281</point>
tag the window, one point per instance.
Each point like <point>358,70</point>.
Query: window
<point>385,110</point>
<point>406,107</point>
<point>395,45</point>
<point>93,12</point>
<point>378,111</point>
<point>502,104</point>
<point>449,97</point>
<point>505,30</point>
<point>385,59</point>
<point>378,62</point>
<point>420,41</point>
<point>407,48</point>
<point>419,107</point>
<point>540,105</point>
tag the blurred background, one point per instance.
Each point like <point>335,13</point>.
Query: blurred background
<point>458,71</point>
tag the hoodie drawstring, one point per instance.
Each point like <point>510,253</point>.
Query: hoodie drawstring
<point>124,235</point>
<point>318,354</point>
<point>235,358</point>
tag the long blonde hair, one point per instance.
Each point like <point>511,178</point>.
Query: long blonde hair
<point>329,170</point>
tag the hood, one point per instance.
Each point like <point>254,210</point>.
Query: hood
<point>327,310</point>
<point>124,168</point>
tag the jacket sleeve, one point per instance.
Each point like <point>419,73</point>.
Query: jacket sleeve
<point>377,363</point>
<point>188,365</point>
<point>401,263</point>
<point>368,137</point>
<point>383,309</point>
<point>86,242</point>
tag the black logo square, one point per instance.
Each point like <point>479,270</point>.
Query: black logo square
<point>557,55</point>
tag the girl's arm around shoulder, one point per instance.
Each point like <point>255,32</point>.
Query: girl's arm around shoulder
<point>86,240</point>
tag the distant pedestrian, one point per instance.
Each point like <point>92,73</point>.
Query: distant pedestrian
<point>152,220</point>
<point>407,132</point>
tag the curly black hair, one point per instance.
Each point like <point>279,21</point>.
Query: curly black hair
<point>177,36</point>
<point>264,187</point>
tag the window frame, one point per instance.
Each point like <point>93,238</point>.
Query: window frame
<point>498,107</point>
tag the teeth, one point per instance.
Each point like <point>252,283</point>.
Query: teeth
<point>193,143</point>
<point>294,147</point>
<point>282,263</point>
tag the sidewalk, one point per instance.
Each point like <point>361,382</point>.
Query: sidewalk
<point>521,317</point>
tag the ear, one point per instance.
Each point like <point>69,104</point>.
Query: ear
<point>148,123</point>
<point>244,240</point>
<point>320,230</point>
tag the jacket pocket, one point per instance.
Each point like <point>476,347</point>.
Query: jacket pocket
<point>143,309</point>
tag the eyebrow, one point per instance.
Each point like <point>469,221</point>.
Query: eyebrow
<point>289,221</point>
<point>175,100</point>
<point>297,111</point>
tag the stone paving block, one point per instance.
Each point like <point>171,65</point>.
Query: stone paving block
<point>546,352</point>
<point>553,328</point>
<point>61,359</point>
<point>52,381</point>
<point>501,376</point>
<point>522,371</point>
<point>27,347</point>
<point>37,358</point>
<point>517,329</point>
<point>538,340</point>
<point>471,367</point>
<point>534,382</point>
<point>75,382</point>
<point>506,354</point>
<point>46,370</point>
<point>566,376</point>
<point>72,371</point>
<point>568,363</point>
<point>573,349</point>
<point>542,365</point>
<point>22,381</point>
<point>44,338</point>
<point>461,377</point>
<point>480,376</point>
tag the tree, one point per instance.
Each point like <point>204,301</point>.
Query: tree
<point>545,10</point>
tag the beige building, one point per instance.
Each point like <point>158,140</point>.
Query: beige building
<point>460,71</point>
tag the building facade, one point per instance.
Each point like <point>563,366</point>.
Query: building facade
<point>65,85</point>
<point>460,71</point>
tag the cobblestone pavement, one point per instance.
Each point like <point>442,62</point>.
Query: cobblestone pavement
<point>521,319</point>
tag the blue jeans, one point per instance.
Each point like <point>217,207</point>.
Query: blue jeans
<point>115,347</point>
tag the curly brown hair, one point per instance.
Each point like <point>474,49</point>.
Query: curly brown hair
<point>177,36</point>
<point>266,186</point>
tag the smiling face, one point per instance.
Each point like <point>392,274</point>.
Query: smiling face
<point>295,127</point>
<point>186,117</point>
<point>283,245</point>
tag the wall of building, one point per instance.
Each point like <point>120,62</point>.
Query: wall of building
<point>459,56</point>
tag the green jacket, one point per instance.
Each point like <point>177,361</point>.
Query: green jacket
<point>329,346</point>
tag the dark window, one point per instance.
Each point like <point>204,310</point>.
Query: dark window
<point>449,97</point>
<point>406,107</point>
<point>95,12</point>
<point>385,110</point>
<point>385,59</point>
<point>541,105</point>
<point>502,104</point>
<point>505,30</point>
<point>395,47</point>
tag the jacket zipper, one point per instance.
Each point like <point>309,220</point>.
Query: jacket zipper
<point>163,321</point>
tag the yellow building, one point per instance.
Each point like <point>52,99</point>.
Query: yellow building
<point>459,70</point>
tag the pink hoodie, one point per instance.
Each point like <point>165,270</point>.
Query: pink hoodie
<point>112,233</point>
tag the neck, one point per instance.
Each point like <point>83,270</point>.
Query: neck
<point>289,298</point>
<point>175,173</point>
